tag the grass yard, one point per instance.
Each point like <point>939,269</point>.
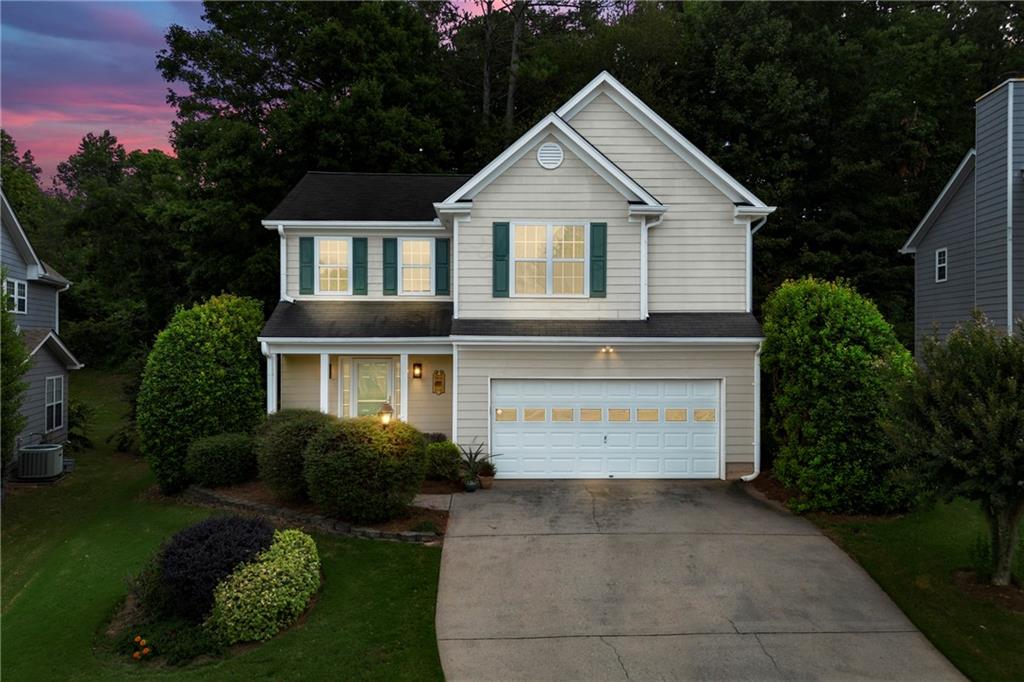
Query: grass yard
<point>913,558</point>
<point>68,548</point>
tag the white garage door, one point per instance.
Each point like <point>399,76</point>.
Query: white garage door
<point>606,428</point>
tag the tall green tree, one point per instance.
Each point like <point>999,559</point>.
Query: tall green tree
<point>13,365</point>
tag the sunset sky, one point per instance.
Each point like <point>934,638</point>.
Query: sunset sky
<point>69,68</point>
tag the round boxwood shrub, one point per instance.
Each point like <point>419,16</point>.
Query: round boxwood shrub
<point>280,443</point>
<point>834,363</point>
<point>361,470</point>
<point>443,461</point>
<point>197,558</point>
<point>265,596</point>
<point>201,378</point>
<point>221,460</point>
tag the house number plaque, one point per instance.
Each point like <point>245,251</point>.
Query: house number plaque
<point>438,382</point>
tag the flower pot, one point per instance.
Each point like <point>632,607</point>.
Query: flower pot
<point>470,486</point>
<point>486,482</point>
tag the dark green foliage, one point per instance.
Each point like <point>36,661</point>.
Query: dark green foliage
<point>961,418</point>
<point>80,416</point>
<point>201,378</point>
<point>199,557</point>
<point>834,361</point>
<point>363,471</point>
<point>443,459</point>
<point>176,641</point>
<point>280,446</point>
<point>13,365</point>
<point>223,459</point>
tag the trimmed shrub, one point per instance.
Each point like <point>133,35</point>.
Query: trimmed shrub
<point>834,362</point>
<point>280,443</point>
<point>362,471</point>
<point>263,597</point>
<point>221,460</point>
<point>201,378</point>
<point>197,558</point>
<point>443,460</point>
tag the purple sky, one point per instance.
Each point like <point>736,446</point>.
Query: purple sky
<point>70,68</point>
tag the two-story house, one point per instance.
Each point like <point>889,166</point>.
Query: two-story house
<point>33,289</point>
<point>581,306</point>
<point>965,257</point>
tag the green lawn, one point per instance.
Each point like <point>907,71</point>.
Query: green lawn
<point>68,548</point>
<point>913,557</point>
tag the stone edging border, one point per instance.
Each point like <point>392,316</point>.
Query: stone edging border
<point>322,524</point>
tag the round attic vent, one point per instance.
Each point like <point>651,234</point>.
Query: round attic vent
<point>550,155</point>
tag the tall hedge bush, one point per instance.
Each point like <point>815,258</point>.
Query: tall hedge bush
<point>13,365</point>
<point>201,378</point>
<point>280,446</point>
<point>834,364</point>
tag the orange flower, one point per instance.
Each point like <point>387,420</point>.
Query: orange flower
<point>136,655</point>
<point>137,638</point>
<point>142,642</point>
<point>146,651</point>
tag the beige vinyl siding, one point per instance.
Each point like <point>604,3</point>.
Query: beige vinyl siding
<point>300,382</point>
<point>697,255</point>
<point>374,262</point>
<point>428,412</point>
<point>573,193</point>
<point>735,364</point>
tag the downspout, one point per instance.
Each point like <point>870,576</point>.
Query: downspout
<point>645,226</point>
<point>757,416</point>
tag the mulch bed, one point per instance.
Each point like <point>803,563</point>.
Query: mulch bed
<point>1010,598</point>
<point>771,488</point>
<point>442,487</point>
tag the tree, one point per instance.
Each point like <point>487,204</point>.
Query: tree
<point>14,362</point>
<point>961,416</point>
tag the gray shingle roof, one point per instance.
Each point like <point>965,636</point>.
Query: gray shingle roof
<point>366,196</point>
<point>659,325</point>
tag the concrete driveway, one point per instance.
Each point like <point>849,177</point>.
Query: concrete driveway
<point>669,580</point>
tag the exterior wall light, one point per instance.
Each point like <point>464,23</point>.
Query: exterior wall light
<point>386,412</point>
<point>607,349</point>
<point>417,370</point>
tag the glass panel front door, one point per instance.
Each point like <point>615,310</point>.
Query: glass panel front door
<point>372,384</point>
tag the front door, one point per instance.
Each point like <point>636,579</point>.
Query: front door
<point>373,379</point>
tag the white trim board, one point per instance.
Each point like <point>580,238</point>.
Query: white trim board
<point>354,224</point>
<point>952,185</point>
<point>71,361</point>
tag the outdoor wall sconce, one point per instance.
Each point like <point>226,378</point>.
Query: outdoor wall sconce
<point>607,349</point>
<point>438,382</point>
<point>386,412</point>
<point>417,370</point>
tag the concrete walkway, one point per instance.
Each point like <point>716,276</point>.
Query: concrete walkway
<point>670,580</point>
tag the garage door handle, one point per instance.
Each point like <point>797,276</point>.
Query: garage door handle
<point>606,439</point>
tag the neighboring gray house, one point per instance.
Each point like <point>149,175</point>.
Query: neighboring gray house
<point>965,255</point>
<point>34,289</point>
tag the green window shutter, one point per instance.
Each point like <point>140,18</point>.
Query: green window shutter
<point>390,266</point>
<point>306,257</point>
<point>359,266</point>
<point>500,249</point>
<point>598,260</point>
<point>442,267</point>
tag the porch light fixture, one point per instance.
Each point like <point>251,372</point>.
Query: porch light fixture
<point>607,349</point>
<point>386,412</point>
<point>417,370</point>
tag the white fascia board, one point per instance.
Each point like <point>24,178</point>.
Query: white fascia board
<point>636,209</point>
<point>573,341</point>
<point>952,185</point>
<point>70,360</point>
<point>661,129</point>
<point>314,340</point>
<point>353,224</point>
<point>302,348</point>
<point>24,246</point>
<point>753,211</point>
<point>457,208</point>
<point>564,133</point>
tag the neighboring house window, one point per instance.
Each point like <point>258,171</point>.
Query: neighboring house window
<point>17,291</point>
<point>334,265</point>
<point>941,265</point>
<point>54,403</point>
<point>549,260</point>
<point>417,266</point>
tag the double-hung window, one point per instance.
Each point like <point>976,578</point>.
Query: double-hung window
<point>941,265</point>
<point>417,266</point>
<point>549,259</point>
<point>17,291</point>
<point>54,403</point>
<point>334,265</point>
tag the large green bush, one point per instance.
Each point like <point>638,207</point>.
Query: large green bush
<point>361,470</point>
<point>14,362</point>
<point>265,596</point>
<point>223,459</point>
<point>834,362</point>
<point>201,378</point>
<point>443,461</point>
<point>280,446</point>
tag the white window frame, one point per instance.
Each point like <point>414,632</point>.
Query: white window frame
<point>48,403</point>
<point>15,297</point>
<point>550,259</point>
<point>944,252</point>
<point>316,265</point>
<point>402,266</point>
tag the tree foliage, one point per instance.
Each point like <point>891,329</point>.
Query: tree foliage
<point>961,416</point>
<point>14,362</point>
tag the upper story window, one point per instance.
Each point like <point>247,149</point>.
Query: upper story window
<point>549,259</point>
<point>17,291</point>
<point>941,265</point>
<point>417,265</point>
<point>54,403</point>
<point>334,265</point>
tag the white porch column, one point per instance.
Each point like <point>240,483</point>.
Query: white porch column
<point>272,383</point>
<point>403,377</point>
<point>325,377</point>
